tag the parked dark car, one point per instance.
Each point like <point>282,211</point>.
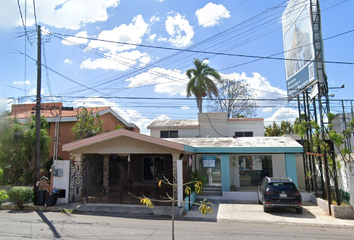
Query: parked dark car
<point>279,192</point>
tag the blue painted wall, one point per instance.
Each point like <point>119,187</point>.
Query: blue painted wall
<point>225,172</point>
<point>290,166</point>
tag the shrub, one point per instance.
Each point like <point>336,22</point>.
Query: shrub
<point>1,176</point>
<point>20,196</point>
<point>3,196</point>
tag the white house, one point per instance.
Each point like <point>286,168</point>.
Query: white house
<point>231,154</point>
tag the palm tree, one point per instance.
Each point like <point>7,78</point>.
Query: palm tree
<point>200,84</point>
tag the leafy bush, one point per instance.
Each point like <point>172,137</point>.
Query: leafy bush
<point>20,196</point>
<point>1,176</point>
<point>3,196</point>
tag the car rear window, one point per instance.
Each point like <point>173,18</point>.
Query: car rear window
<point>283,186</point>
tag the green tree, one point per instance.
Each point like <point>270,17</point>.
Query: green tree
<point>320,145</point>
<point>234,98</point>
<point>274,129</point>
<point>87,125</point>
<point>17,149</point>
<point>201,82</point>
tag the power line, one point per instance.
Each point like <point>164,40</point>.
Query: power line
<point>198,51</point>
<point>71,80</point>
<point>23,22</point>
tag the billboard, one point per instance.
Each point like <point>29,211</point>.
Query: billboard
<point>300,52</point>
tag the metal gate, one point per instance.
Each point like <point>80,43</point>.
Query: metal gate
<point>111,182</point>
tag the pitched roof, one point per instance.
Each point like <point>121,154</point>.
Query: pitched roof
<point>118,133</point>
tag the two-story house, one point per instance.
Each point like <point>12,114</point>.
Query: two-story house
<point>231,154</point>
<point>61,122</point>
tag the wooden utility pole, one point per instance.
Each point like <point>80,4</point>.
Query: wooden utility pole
<point>38,114</point>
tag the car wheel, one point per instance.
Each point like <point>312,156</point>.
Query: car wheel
<point>299,210</point>
<point>259,201</point>
<point>265,208</point>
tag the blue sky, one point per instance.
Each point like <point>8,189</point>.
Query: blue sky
<point>86,72</point>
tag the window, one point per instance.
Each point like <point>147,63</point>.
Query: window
<point>153,167</point>
<point>253,168</point>
<point>243,134</point>
<point>169,134</point>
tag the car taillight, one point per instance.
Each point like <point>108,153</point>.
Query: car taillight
<point>297,193</point>
<point>269,192</point>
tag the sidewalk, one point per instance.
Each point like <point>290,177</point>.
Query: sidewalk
<point>222,211</point>
<point>253,212</point>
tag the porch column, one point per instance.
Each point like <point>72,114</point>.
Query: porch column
<point>78,179</point>
<point>290,167</point>
<point>180,182</point>
<point>175,157</point>
<point>105,174</point>
<point>225,172</point>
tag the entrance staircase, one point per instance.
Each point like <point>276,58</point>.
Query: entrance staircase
<point>211,191</point>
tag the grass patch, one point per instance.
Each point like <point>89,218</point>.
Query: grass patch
<point>67,211</point>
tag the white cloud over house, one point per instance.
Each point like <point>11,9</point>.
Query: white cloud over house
<point>211,14</point>
<point>33,91</point>
<point>131,33</point>
<point>179,29</point>
<point>282,114</point>
<point>260,86</point>
<point>57,13</point>
<point>166,81</point>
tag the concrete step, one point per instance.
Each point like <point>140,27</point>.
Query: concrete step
<point>211,191</point>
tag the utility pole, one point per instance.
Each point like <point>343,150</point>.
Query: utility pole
<point>38,114</point>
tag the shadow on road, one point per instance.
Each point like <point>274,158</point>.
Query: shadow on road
<point>51,226</point>
<point>291,212</point>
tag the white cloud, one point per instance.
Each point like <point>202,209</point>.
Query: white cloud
<point>260,85</point>
<point>185,107</point>
<point>118,62</point>
<point>75,40</point>
<point>162,117</point>
<point>57,13</point>
<point>131,33</point>
<point>282,114</point>
<point>33,91</point>
<point>180,31</point>
<point>166,81</point>
<point>162,39</point>
<point>160,0</point>
<point>211,14</point>
<point>68,61</point>
<point>267,109</point>
<point>154,19</point>
<point>151,38</point>
<point>22,83</point>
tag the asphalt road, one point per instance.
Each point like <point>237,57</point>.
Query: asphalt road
<point>53,225</point>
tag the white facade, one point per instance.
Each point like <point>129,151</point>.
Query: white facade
<point>182,132</point>
<point>209,125</point>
